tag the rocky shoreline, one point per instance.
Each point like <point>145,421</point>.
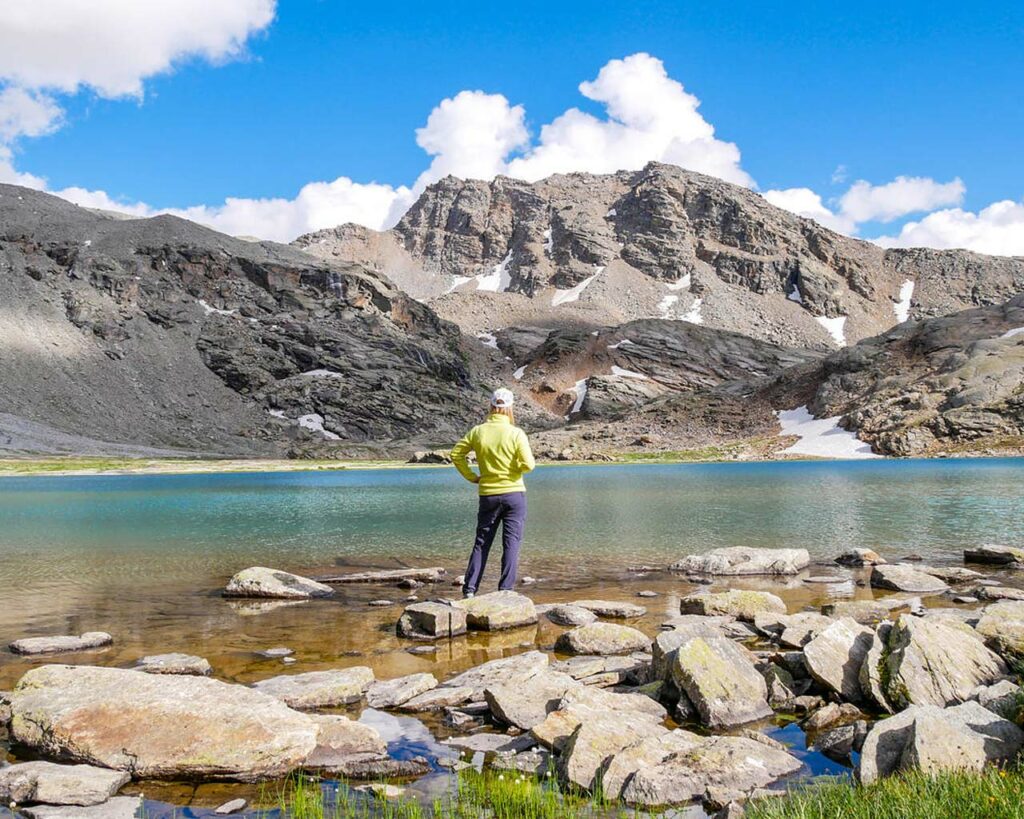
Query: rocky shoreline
<point>918,677</point>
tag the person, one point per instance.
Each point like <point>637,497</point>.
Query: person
<point>503,456</point>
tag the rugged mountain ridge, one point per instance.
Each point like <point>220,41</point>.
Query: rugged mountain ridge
<point>661,242</point>
<point>163,335</point>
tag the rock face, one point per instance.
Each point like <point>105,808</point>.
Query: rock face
<point>391,693</point>
<point>931,662</point>
<point>602,638</point>
<point>259,581</point>
<point>898,577</point>
<point>431,621</point>
<point>498,610</point>
<point>56,645</point>
<point>59,784</point>
<point>159,726</point>
<point>160,336</point>
<point>741,604</point>
<point>834,658</point>
<point>731,766</point>
<point>744,560</point>
<point>175,664</point>
<point>319,689</point>
<point>720,679</point>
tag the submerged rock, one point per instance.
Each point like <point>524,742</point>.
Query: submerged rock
<point>744,560</point>
<point>602,638</point>
<point>175,664</point>
<point>498,610</point>
<point>159,726</point>
<point>319,689</point>
<point>59,784</point>
<point>232,806</point>
<point>431,574</point>
<point>739,603</point>
<point>611,608</point>
<point>898,577</point>
<point>259,581</point>
<point>60,644</point>
<point>834,658</point>
<point>431,621</point>
<point>391,693</point>
<point>720,680</point>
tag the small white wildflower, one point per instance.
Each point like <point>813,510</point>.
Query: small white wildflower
<point>13,806</point>
<point>501,777</point>
<point>548,774</point>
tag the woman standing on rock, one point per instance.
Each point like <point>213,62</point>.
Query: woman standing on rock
<point>503,456</point>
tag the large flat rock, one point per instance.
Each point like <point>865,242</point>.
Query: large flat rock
<point>834,658</point>
<point>431,574</point>
<point>175,663</point>
<point>611,608</point>
<point>720,679</point>
<point>745,560</point>
<point>899,577</point>
<point>498,610</point>
<point>59,784</point>
<point>340,739</point>
<point>742,604</point>
<point>936,662</point>
<point>431,621</point>
<point>120,807</point>
<point>526,704</point>
<point>61,643</point>
<point>157,726</point>
<point>598,737</point>
<point>570,615</point>
<point>319,689</point>
<point>602,638</point>
<point>392,693</point>
<point>506,671</point>
<point>259,581</point>
<point>584,703</point>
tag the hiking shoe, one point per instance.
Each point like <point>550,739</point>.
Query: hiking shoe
<point>468,595</point>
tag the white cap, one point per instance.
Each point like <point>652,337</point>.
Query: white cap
<point>502,398</point>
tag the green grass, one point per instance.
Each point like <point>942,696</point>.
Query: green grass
<point>993,794</point>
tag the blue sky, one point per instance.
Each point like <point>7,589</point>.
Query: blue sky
<point>331,89</point>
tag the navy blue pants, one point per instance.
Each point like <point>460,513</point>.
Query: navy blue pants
<point>509,511</point>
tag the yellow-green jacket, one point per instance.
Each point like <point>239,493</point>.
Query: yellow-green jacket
<point>502,455</point>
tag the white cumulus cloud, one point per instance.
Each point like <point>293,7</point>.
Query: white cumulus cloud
<point>865,202</point>
<point>998,229</point>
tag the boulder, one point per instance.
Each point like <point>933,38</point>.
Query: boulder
<point>55,645</point>
<point>498,610</point>
<point>596,739</point>
<point>998,593</point>
<point>900,577</point>
<point>259,581</point>
<point>834,658</point>
<point>951,574</point>
<point>837,743</point>
<point>611,608</point>
<point>860,557</point>
<point>935,744</point>
<point>871,671</point>
<point>526,704</point>
<point>868,612</point>
<point>616,773</point>
<point>791,630</point>
<point>665,645</point>
<point>1004,698</point>
<point>994,554</point>
<point>932,662</point>
<point>739,603</point>
<point>506,671</point>
<point>159,726</point>
<point>720,680</point>
<point>607,670</point>
<point>341,738</point>
<point>725,765</point>
<point>431,621</point>
<point>602,638</point>
<point>488,743</point>
<point>319,689</point>
<point>571,615</point>
<point>59,784</point>
<point>120,807</point>
<point>780,685</point>
<point>1002,626</point>
<point>187,664</point>
<point>584,703</point>
<point>744,560</point>
<point>392,693</point>
<point>440,698</point>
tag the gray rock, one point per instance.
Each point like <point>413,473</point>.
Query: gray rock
<point>279,651</point>
<point>392,693</point>
<point>611,608</point>
<point>723,764</point>
<point>994,554</point>
<point>836,743</point>
<point>1002,627</point>
<point>54,645</point>
<point>440,698</point>
<point>234,806</point>
<point>526,704</point>
<point>506,671</point>
<point>868,612</point>
<point>571,615</point>
<point>498,610</point>
<point>340,739</point>
<point>647,593</point>
<point>586,703</point>
<point>931,662</point>
<point>720,679</point>
<point>174,664</point>
<point>738,603</point>
<point>998,593</point>
<point>951,574</point>
<point>1004,698</point>
<point>259,581</point>
<point>146,723</point>
<point>431,621</point>
<point>120,807</point>
<point>431,574</point>
<point>377,767</point>
<point>871,670</point>
<point>59,784</point>
<point>791,630</point>
<point>780,686</point>
<point>835,656</point>
<point>617,772</point>
<point>535,762</point>
<point>319,689</point>
<point>745,560</point>
<point>597,738</point>
<point>936,745</point>
<point>666,644</point>
<point>491,743</point>
<point>906,579</point>
<point>856,557</point>
<point>606,670</point>
<point>602,638</point>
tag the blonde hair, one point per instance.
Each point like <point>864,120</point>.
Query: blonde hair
<point>506,411</point>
